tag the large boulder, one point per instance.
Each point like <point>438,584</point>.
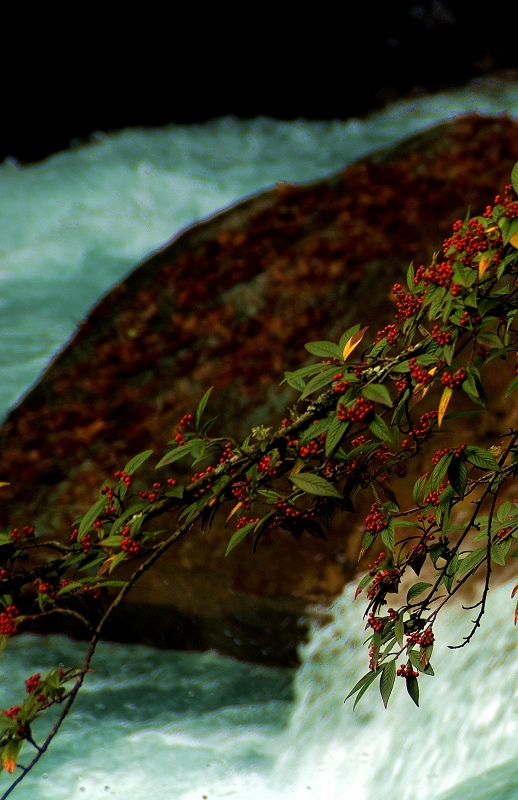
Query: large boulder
<point>230,303</point>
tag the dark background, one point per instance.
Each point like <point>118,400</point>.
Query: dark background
<point>65,79</point>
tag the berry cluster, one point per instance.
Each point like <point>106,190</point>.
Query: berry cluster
<point>227,453</point>
<point>12,712</point>
<point>420,375</point>
<point>426,421</point>
<point>439,274</point>
<point>17,535</point>
<point>242,521</point>
<point>390,332</point>
<point>151,496</point>
<point>7,623</point>
<point>361,409</point>
<point>128,544</point>
<point>241,491</point>
<point>123,476</point>
<point>376,623</point>
<point>434,498</point>
<point>407,671</point>
<point>32,683</point>
<point>407,304</point>
<point>442,337</point>
<point>312,447</point>
<point>468,240</point>
<point>264,463</point>
<point>422,638</point>
<point>375,522</point>
<point>386,580</point>
<point>454,381</point>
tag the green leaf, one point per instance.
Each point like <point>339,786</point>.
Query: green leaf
<point>316,428</point>
<point>514,177</point>
<point>387,535</point>
<point>503,512</point>
<point>362,685</point>
<point>324,349</point>
<point>419,487</point>
<point>482,459</point>
<point>380,429</point>
<point>412,687</point>
<point>378,393</point>
<point>192,447</point>
<point>239,535</point>
<point>472,386</point>
<point>201,407</point>
<point>410,277</point>
<point>319,381</point>
<point>439,471</point>
<point>388,676</point>
<point>471,560</point>
<point>399,629</point>
<point>295,381</point>
<point>314,484</point>
<point>509,228</point>
<point>303,372</point>
<point>91,515</point>
<point>134,463</point>
<point>513,386</point>
<point>335,433</point>
<point>498,554</point>
<point>416,589</point>
<point>458,475</point>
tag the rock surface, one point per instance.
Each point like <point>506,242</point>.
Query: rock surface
<point>230,303</point>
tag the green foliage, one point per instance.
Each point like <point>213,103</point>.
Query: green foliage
<point>356,427</point>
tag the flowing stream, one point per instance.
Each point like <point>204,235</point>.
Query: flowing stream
<point>189,726</point>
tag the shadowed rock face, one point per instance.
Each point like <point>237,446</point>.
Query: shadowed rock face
<point>230,303</point>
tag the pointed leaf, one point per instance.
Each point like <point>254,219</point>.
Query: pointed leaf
<point>380,429</point>
<point>201,408</point>
<point>335,434</point>
<point>314,484</point>
<point>482,459</point>
<point>362,685</point>
<point>136,461</point>
<point>388,677</point>
<point>239,535</point>
<point>353,342</point>
<point>319,381</point>
<point>471,560</point>
<point>412,687</point>
<point>90,516</point>
<point>323,349</point>
<point>443,404</point>
<point>458,475</point>
<point>416,589</point>
<point>399,629</point>
<point>378,393</point>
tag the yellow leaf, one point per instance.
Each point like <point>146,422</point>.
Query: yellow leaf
<point>298,466</point>
<point>105,566</point>
<point>443,405</point>
<point>420,389</point>
<point>236,508</point>
<point>10,753</point>
<point>483,265</point>
<point>4,483</point>
<point>514,240</point>
<point>353,342</point>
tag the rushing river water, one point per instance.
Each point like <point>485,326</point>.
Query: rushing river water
<point>182,726</point>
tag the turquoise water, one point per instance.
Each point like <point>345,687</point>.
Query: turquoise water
<point>176,725</point>
<point>168,726</point>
